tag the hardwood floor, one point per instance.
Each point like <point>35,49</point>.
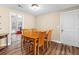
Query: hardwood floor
<point>61,49</point>
<point>55,49</point>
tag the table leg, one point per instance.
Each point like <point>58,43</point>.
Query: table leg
<point>35,47</point>
<point>38,47</point>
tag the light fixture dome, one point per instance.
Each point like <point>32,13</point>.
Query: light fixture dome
<point>35,6</point>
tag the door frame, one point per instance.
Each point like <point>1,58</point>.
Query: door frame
<point>10,14</point>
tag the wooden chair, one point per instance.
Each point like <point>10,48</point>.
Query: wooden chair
<point>48,39</point>
<point>25,32</point>
<point>34,32</point>
<point>41,41</point>
<point>26,42</point>
<point>34,29</point>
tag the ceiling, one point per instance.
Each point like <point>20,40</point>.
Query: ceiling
<point>44,8</point>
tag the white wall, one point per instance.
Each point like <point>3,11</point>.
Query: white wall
<point>49,21</point>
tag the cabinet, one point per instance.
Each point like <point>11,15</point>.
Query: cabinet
<point>3,40</point>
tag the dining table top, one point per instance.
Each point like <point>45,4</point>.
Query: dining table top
<point>34,36</point>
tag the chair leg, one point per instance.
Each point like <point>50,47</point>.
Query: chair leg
<point>50,43</point>
<point>23,49</point>
<point>38,50</point>
<point>43,46</point>
<point>47,44</point>
<point>30,47</point>
<point>38,47</point>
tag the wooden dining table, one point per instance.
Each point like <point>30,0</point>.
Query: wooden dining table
<point>35,39</point>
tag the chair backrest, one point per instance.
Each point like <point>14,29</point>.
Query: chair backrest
<point>34,32</point>
<point>26,32</point>
<point>49,35</point>
<point>34,29</point>
<point>41,38</point>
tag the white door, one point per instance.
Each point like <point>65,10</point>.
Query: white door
<point>67,28</point>
<point>76,33</point>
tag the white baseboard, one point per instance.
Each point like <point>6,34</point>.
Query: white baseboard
<point>56,41</point>
<point>65,43</point>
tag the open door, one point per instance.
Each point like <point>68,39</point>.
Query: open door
<point>16,24</point>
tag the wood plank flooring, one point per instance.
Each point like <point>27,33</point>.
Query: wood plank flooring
<point>55,49</point>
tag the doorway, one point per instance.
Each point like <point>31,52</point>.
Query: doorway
<point>15,28</point>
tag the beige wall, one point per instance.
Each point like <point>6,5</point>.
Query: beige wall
<point>29,21</point>
<point>49,21</point>
<point>5,20</point>
<point>42,22</point>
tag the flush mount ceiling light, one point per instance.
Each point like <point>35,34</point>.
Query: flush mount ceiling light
<point>35,6</point>
<point>20,6</point>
